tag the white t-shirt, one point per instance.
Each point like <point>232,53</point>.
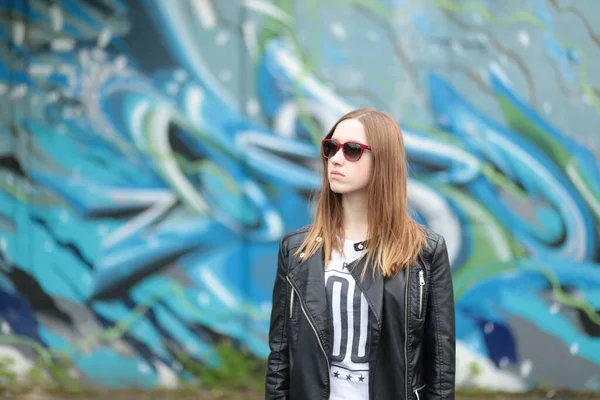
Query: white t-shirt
<point>349,312</point>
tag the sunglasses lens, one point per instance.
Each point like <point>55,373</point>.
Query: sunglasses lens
<point>352,151</point>
<point>329,148</point>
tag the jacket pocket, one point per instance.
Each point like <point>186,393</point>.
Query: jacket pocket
<point>292,296</point>
<point>418,391</point>
<point>421,291</point>
<point>293,316</point>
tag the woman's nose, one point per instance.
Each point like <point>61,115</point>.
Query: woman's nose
<point>338,157</point>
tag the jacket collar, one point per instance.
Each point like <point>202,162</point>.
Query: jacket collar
<point>359,246</point>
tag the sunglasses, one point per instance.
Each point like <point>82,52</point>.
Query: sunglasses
<point>353,151</point>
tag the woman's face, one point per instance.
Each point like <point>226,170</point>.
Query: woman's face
<point>345,176</point>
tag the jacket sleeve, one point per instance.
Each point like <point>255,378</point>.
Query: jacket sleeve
<point>277,379</point>
<point>440,334</point>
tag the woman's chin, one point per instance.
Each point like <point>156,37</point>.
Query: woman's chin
<point>339,188</point>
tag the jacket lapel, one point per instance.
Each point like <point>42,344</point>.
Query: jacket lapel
<point>308,276</point>
<point>371,285</point>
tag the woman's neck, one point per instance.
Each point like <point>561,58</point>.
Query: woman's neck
<point>355,216</point>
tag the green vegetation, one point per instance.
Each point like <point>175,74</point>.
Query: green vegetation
<point>236,370</point>
<point>237,376</point>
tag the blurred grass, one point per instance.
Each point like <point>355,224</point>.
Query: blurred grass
<point>238,376</point>
<point>248,394</point>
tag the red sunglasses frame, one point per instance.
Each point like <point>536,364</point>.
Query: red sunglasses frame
<point>363,147</point>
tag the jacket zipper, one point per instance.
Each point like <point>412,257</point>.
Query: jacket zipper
<point>421,284</point>
<point>406,284</point>
<point>311,325</point>
<point>417,391</point>
<point>292,304</point>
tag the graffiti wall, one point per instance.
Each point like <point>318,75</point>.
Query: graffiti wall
<point>153,153</point>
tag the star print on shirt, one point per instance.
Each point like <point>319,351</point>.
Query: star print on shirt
<point>361,379</point>
<point>349,377</point>
<point>336,374</point>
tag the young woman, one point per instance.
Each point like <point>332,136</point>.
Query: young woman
<point>363,303</point>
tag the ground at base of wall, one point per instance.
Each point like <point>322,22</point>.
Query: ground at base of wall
<point>222,394</point>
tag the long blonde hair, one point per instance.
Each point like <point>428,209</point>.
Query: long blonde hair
<point>395,239</point>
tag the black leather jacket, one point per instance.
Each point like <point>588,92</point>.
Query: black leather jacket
<point>412,346</point>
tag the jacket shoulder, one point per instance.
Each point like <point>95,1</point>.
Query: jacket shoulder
<point>432,240</point>
<point>293,240</point>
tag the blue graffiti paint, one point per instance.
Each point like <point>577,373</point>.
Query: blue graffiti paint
<point>152,200</point>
